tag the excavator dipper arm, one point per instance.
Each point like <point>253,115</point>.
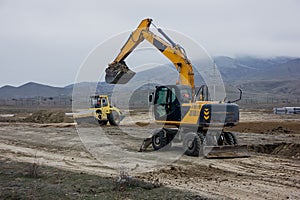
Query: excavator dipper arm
<point>119,73</point>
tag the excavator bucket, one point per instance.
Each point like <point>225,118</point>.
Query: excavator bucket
<point>118,73</point>
<point>226,151</point>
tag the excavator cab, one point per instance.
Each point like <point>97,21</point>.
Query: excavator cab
<point>202,94</point>
<point>99,101</point>
<point>168,102</point>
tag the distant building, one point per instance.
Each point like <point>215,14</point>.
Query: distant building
<point>287,110</point>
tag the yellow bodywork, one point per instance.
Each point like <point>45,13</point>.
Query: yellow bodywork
<point>174,53</point>
<point>99,112</point>
<point>192,116</point>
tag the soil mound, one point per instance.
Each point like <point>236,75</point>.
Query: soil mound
<point>44,116</point>
<point>274,128</point>
<point>283,149</point>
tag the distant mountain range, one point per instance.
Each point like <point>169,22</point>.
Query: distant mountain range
<point>278,76</point>
<point>31,89</point>
<point>249,68</point>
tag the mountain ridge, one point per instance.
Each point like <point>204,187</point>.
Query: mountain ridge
<point>280,75</point>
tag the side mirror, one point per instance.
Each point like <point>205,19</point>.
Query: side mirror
<point>151,98</point>
<point>241,93</point>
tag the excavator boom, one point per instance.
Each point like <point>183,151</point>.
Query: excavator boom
<point>118,72</point>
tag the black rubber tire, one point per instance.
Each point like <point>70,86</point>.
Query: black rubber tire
<point>210,140</point>
<point>114,118</point>
<point>203,143</point>
<point>159,139</point>
<point>102,123</point>
<point>99,115</point>
<point>235,142</point>
<point>228,138</point>
<point>192,144</point>
<point>169,142</point>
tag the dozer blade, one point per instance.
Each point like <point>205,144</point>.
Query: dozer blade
<point>85,118</point>
<point>230,151</point>
<point>118,73</point>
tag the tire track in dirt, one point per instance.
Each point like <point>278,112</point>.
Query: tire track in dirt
<point>233,178</point>
<point>43,157</point>
<point>261,176</point>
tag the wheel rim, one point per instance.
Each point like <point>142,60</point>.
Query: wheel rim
<point>116,117</point>
<point>157,140</point>
<point>190,144</point>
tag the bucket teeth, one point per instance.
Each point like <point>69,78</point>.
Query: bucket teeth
<point>118,73</point>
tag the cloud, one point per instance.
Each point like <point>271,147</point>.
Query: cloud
<point>52,38</point>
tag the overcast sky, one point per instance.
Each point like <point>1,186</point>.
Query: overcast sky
<point>46,41</point>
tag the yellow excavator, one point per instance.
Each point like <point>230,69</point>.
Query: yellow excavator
<point>187,114</point>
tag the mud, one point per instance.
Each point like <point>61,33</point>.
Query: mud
<point>271,172</point>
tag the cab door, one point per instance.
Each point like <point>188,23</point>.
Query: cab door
<point>166,104</point>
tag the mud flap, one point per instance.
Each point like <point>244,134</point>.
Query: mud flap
<point>227,151</point>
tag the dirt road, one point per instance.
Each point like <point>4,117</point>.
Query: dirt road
<point>272,171</point>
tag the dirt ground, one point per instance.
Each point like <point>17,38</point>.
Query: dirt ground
<point>51,160</point>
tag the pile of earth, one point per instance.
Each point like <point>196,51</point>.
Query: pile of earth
<point>44,116</point>
<point>40,116</point>
<point>268,127</point>
<point>282,149</point>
